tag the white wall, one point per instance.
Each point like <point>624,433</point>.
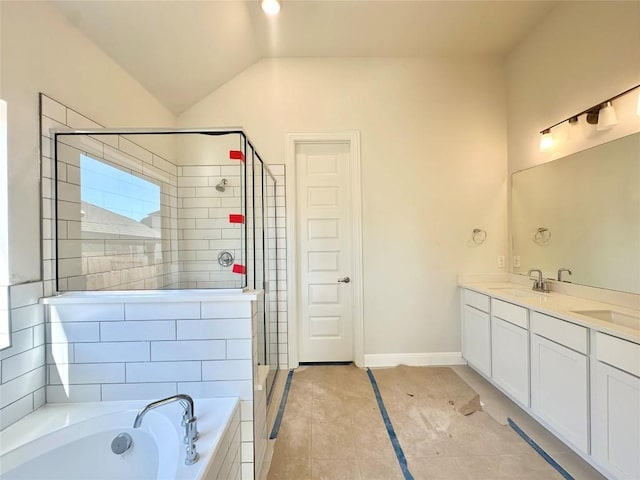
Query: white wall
<point>433,142</point>
<point>581,54</point>
<point>41,52</point>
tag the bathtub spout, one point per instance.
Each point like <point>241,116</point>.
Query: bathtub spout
<point>185,400</point>
<point>189,421</point>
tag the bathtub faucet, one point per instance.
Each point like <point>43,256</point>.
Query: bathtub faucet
<point>189,422</point>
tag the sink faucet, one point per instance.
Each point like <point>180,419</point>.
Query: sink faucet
<point>188,422</point>
<point>563,270</point>
<point>539,285</point>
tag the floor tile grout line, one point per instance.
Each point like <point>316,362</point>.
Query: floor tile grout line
<point>283,403</point>
<point>389,426</point>
<point>539,450</point>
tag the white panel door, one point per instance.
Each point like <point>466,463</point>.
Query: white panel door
<point>324,252</point>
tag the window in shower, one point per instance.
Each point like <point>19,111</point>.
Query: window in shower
<point>120,227</point>
<point>118,192</point>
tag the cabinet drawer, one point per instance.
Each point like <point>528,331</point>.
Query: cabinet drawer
<point>618,353</point>
<point>510,313</point>
<point>564,333</point>
<point>476,300</point>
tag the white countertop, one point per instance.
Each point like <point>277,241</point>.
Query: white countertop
<point>561,306</point>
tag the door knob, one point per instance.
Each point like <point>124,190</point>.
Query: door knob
<point>344,280</point>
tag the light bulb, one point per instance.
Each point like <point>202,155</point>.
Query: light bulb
<point>271,7</point>
<point>546,140</point>
<point>607,117</point>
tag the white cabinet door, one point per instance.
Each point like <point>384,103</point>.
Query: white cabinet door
<point>616,421</point>
<point>559,390</point>
<point>510,359</point>
<point>476,339</point>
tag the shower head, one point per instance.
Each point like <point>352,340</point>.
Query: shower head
<point>221,186</point>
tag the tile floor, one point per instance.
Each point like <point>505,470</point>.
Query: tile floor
<point>499,407</point>
<point>332,429</point>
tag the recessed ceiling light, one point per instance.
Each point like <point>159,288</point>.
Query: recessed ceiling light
<point>271,7</point>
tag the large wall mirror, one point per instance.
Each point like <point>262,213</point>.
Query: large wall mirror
<point>581,212</point>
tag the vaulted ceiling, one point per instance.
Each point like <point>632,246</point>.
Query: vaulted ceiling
<point>182,50</point>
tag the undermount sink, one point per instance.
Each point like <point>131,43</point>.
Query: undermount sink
<point>618,318</point>
<point>519,292</point>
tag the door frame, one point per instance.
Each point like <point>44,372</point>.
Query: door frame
<point>353,139</point>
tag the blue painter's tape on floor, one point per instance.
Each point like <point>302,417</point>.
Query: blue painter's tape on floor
<point>540,451</point>
<point>392,433</point>
<point>283,403</point>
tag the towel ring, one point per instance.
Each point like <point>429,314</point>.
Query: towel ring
<point>542,236</point>
<point>478,236</point>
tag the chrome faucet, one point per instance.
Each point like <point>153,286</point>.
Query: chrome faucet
<point>189,422</point>
<point>539,285</point>
<point>563,270</point>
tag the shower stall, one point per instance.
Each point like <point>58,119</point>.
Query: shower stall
<point>167,210</point>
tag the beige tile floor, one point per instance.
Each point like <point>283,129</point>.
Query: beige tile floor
<point>332,429</point>
<point>499,407</point>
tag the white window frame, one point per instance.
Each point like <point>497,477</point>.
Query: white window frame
<point>5,339</point>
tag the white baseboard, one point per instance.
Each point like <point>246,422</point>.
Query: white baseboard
<point>414,359</point>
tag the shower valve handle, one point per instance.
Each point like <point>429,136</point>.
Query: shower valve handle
<point>344,280</point>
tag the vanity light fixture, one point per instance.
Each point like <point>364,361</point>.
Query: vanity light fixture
<point>603,115</point>
<point>270,7</point>
<point>546,140</point>
<point>607,117</point>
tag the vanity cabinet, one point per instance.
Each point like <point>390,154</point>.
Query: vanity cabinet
<point>476,331</point>
<point>579,382</point>
<point>559,377</point>
<point>616,406</point>
<point>510,349</point>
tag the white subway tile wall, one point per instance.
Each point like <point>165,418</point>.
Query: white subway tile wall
<point>277,274</point>
<point>204,227</point>
<point>127,351</point>
<point>195,223</point>
<point>192,226</point>
<point>22,365</point>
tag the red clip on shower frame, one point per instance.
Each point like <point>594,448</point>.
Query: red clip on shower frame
<point>237,268</point>
<point>236,155</point>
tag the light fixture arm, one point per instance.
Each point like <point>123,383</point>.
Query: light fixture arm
<point>593,111</point>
